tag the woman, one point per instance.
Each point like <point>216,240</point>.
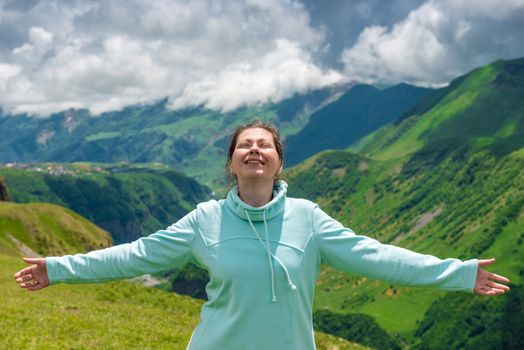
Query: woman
<point>263,252</point>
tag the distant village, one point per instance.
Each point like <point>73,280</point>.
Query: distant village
<point>72,169</point>
<point>54,169</point>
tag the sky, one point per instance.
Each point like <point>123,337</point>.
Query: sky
<point>105,55</point>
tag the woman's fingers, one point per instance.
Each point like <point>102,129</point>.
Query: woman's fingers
<point>495,277</point>
<point>24,278</point>
<point>25,271</point>
<point>492,291</point>
<point>486,282</point>
<point>36,287</point>
<point>32,260</point>
<point>497,286</point>
<point>28,282</point>
<point>486,262</point>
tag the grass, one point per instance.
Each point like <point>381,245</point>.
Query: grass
<point>117,315</point>
<point>510,241</point>
<point>413,139</point>
<point>48,228</point>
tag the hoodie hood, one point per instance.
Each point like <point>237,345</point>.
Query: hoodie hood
<point>271,209</point>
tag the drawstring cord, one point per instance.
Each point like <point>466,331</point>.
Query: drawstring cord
<point>269,256</point>
<point>289,282</point>
<point>273,294</point>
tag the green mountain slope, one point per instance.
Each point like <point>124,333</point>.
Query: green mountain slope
<point>432,183</point>
<point>360,111</point>
<point>41,228</point>
<point>129,201</point>
<point>484,109</point>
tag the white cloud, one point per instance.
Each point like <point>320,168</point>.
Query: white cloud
<point>437,42</point>
<point>103,55</point>
<point>275,76</point>
<point>7,71</point>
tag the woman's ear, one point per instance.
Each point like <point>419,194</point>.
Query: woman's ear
<point>280,169</point>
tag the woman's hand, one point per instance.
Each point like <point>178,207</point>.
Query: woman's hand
<point>485,285</point>
<point>33,277</point>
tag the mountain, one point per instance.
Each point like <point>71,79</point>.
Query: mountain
<point>193,141</point>
<point>446,179</point>
<point>127,200</point>
<point>482,110</point>
<point>357,113</point>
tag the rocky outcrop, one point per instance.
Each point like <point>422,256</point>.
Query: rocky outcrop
<point>4,194</point>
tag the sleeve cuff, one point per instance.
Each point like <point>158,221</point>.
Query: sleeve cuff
<point>50,265</point>
<point>470,274</point>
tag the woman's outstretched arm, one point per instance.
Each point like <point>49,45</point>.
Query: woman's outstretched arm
<point>344,250</point>
<point>163,250</point>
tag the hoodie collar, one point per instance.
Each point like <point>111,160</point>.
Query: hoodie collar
<point>272,209</point>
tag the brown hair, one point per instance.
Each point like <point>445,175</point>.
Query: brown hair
<point>256,124</point>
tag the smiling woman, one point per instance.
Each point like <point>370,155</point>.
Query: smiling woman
<point>263,252</point>
<point>255,159</point>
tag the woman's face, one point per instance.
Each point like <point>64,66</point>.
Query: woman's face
<point>255,156</point>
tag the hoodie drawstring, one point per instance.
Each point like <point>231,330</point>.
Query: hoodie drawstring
<point>269,256</point>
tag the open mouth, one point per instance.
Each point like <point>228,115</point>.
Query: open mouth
<point>254,161</point>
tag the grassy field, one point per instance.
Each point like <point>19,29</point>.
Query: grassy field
<point>118,315</point>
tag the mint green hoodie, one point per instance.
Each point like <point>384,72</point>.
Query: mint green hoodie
<point>263,264</point>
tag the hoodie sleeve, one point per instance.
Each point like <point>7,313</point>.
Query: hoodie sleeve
<point>162,250</point>
<point>344,250</point>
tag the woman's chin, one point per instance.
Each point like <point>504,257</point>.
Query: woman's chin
<point>255,175</point>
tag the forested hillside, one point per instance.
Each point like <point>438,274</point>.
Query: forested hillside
<point>129,201</point>
<point>447,180</point>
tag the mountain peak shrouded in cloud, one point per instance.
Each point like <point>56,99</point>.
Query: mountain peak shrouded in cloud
<point>105,55</point>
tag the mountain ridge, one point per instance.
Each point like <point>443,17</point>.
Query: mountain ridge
<point>360,111</point>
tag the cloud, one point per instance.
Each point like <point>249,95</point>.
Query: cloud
<point>437,42</point>
<point>284,70</point>
<point>105,55</point>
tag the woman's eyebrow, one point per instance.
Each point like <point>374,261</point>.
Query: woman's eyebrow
<point>251,140</point>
